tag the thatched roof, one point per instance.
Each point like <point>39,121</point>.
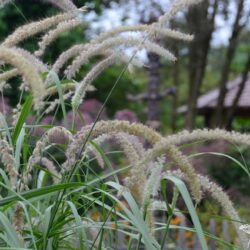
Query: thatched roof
<point>208,101</point>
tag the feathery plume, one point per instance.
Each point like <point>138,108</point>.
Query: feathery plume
<point>106,127</point>
<point>126,146</point>
<point>91,149</point>
<point>49,165</point>
<point>95,72</point>
<point>65,5</point>
<point>79,61</point>
<point>67,55</point>
<point>71,86</point>
<point>28,72</point>
<point>176,6</point>
<point>16,114</point>
<point>9,162</point>
<point>158,32</point>
<point>51,36</point>
<point>114,42</point>
<point>54,103</point>
<point>164,147</point>
<point>48,137</point>
<point>39,65</point>
<point>4,77</point>
<point>33,28</point>
<point>18,220</point>
<point>206,134</point>
<point>149,190</point>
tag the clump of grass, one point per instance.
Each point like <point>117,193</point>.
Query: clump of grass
<point>63,190</point>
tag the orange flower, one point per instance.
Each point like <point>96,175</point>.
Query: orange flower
<point>95,215</point>
<point>118,207</point>
<point>188,234</point>
<point>114,225</point>
<point>176,221</point>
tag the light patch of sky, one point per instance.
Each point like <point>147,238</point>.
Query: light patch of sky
<point>128,13</point>
<point>224,27</point>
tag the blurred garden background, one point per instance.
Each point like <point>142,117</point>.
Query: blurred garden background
<point>207,87</point>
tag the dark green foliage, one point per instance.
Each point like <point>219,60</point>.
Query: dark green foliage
<point>229,175</point>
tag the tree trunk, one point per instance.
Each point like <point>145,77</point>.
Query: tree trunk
<point>218,120</point>
<point>242,85</point>
<point>198,18</point>
<point>176,82</point>
<point>154,90</point>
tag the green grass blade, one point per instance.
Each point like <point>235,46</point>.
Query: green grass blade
<point>105,159</point>
<point>135,215</point>
<point>56,79</point>
<point>244,168</point>
<point>188,201</point>
<point>24,113</point>
<point>78,220</point>
<point>22,196</point>
<point>19,146</point>
<point>10,231</point>
<point>27,215</point>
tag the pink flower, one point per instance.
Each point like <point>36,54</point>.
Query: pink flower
<point>126,115</point>
<point>92,107</point>
<point>79,123</point>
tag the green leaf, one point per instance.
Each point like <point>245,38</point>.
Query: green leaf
<point>135,215</point>
<point>60,93</point>
<point>24,113</point>
<point>244,168</point>
<point>38,192</point>
<point>186,197</point>
<point>105,158</point>
<point>79,224</point>
<point>19,145</point>
<point>10,231</point>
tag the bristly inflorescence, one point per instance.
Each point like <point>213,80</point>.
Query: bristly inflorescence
<point>150,155</point>
<point>104,44</point>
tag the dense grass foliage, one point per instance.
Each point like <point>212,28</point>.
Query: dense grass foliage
<point>101,185</point>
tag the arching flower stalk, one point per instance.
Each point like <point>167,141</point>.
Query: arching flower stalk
<point>28,72</point>
<point>6,157</point>
<point>65,5</point>
<point>48,137</point>
<point>174,8</point>
<point>205,134</point>
<point>174,155</point>
<point>158,32</point>
<point>53,104</point>
<point>150,190</point>
<point>114,42</point>
<point>51,36</point>
<point>18,220</point>
<point>50,166</point>
<point>67,55</point>
<point>4,77</point>
<point>106,127</point>
<point>39,66</point>
<point>130,146</point>
<point>16,114</point>
<point>114,58</point>
<point>24,32</point>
